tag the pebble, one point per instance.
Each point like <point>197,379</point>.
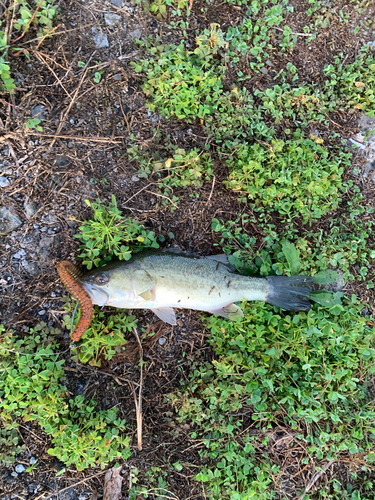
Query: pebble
<point>135,178</point>
<point>136,34</point>
<point>117,77</point>
<point>14,474</point>
<point>4,181</point>
<point>20,468</point>
<point>100,39</point>
<point>162,340</point>
<point>21,253</point>
<point>61,161</point>
<point>112,19</point>
<point>31,268</point>
<point>30,209</point>
<point>32,460</point>
<point>37,112</point>
<point>118,3</point>
<point>42,312</point>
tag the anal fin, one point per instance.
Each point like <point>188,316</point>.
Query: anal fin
<point>166,314</point>
<point>231,312</point>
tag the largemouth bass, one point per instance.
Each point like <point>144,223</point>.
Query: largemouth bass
<point>161,281</point>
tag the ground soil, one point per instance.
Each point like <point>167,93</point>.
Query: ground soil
<point>80,154</point>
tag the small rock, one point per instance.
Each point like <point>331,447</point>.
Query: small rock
<point>117,3</point>
<point>37,112</point>
<point>135,178</point>
<point>30,208</point>
<point>32,460</point>
<point>100,39</point>
<point>20,468</point>
<point>14,474</point>
<point>61,161</point>
<point>21,253</point>
<point>264,70</point>
<point>270,63</point>
<point>31,268</point>
<point>136,34</point>
<point>117,77</point>
<point>9,220</point>
<point>112,19</point>
<point>162,340</point>
<point>154,117</point>
<point>4,181</point>
<point>42,312</point>
<point>32,487</point>
<point>70,145</point>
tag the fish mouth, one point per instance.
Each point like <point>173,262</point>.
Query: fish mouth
<point>98,296</point>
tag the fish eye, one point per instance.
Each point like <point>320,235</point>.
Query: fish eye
<point>101,280</point>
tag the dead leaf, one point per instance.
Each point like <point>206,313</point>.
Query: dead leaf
<point>112,484</point>
<point>359,84</point>
<point>168,163</point>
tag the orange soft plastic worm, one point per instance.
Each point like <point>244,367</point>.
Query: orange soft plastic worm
<point>69,273</point>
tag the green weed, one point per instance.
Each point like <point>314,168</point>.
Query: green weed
<point>294,178</point>
<point>175,168</point>
<point>302,376</point>
<point>108,234</point>
<point>237,118</point>
<point>25,16</point>
<point>28,15</point>
<point>353,85</point>
<point>31,389</point>
<point>104,338</point>
<point>159,7</point>
<point>177,83</point>
<point>344,246</point>
<point>10,444</point>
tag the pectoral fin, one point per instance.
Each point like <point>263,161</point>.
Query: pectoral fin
<point>143,284</point>
<point>166,314</point>
<point>231,312</point>
<point>148,295</point>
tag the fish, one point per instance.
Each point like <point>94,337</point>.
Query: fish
<point>163,280</point>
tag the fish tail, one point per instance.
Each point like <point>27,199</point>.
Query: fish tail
<point>290,292</point>
<point>69,273</point>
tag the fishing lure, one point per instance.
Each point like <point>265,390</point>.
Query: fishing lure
<point>69,273</point>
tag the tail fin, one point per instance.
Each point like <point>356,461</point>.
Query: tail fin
<point>290,292</point>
